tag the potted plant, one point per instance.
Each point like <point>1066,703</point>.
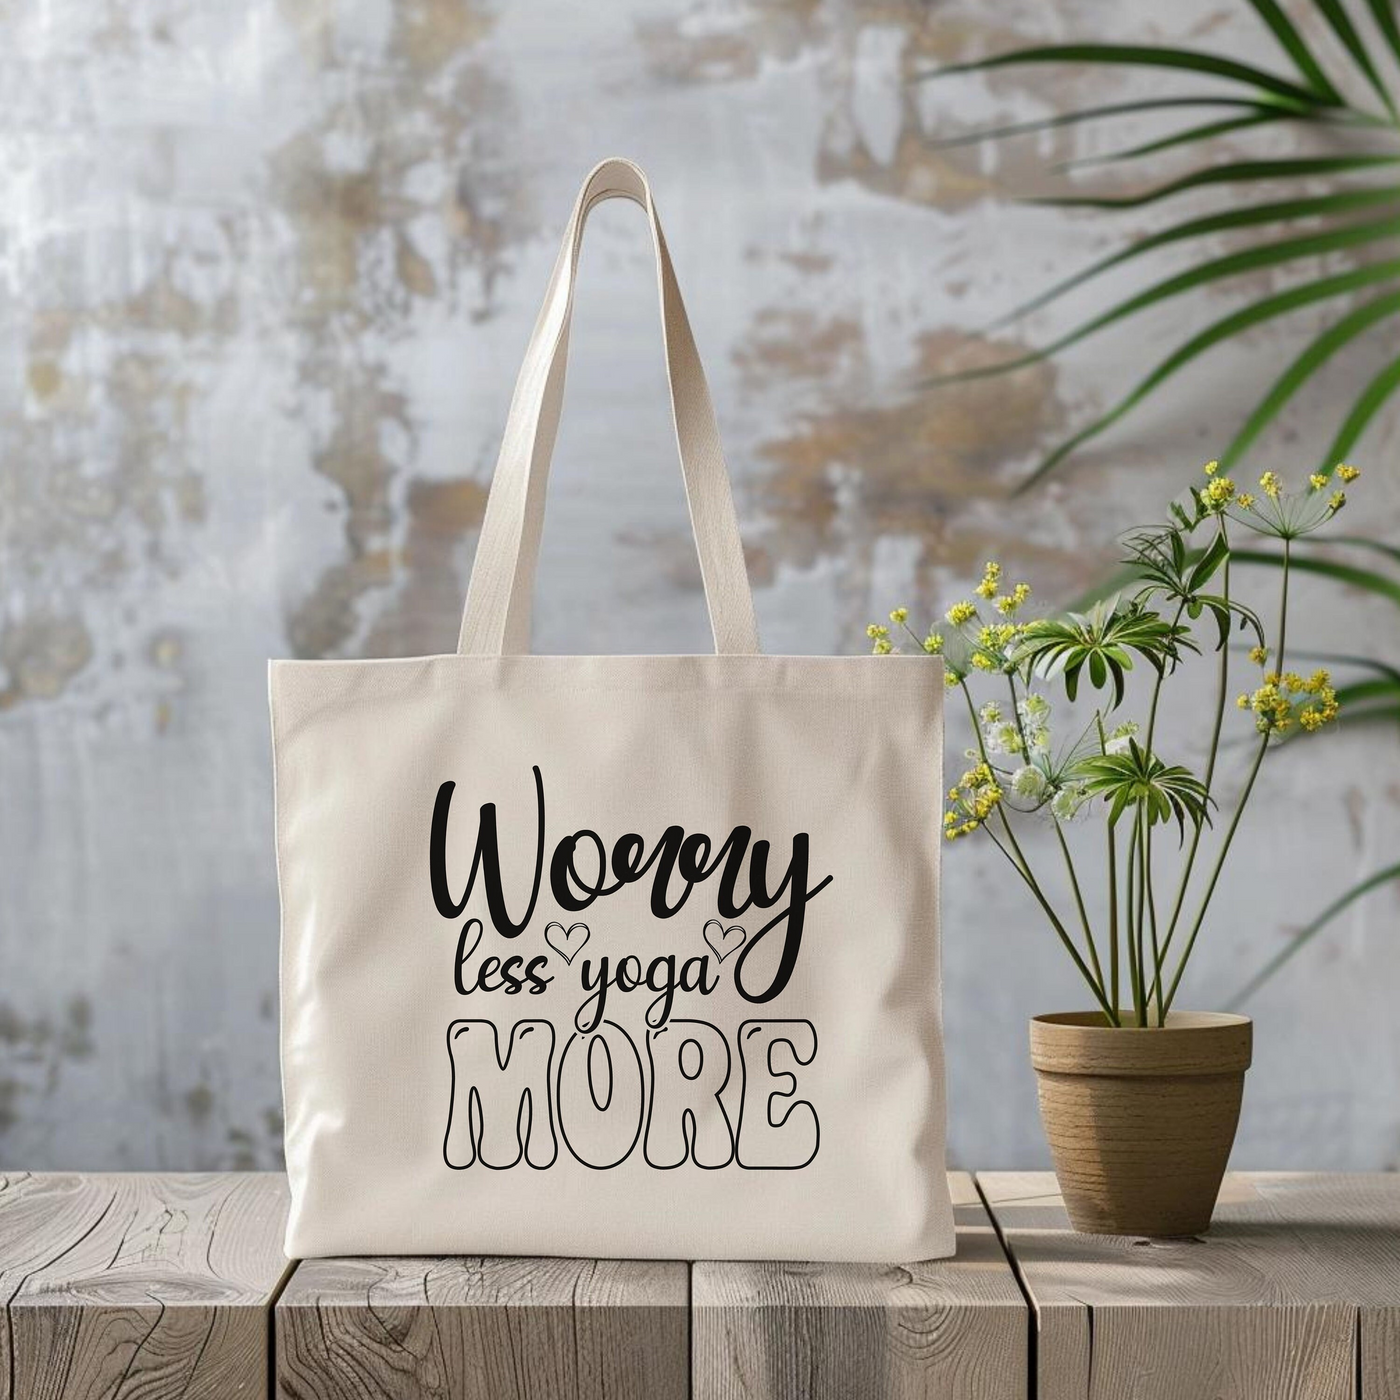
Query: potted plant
<point>1140,1099</point>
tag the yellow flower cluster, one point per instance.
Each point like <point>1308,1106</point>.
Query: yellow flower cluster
<point>1270,485</point>
<point>1289,699</point>
<point>1006,603</point>
<point>999,636</point>
<point>880,635</point>
<point>991,577</point>
<point>973,800</point>
<point>1220,490</point>
<point>1347,474</point>
<point>1009,602</point>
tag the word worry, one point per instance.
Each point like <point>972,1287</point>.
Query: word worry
<point>692,858</point>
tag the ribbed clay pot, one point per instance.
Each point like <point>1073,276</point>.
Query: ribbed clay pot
<point>1140,1122</point>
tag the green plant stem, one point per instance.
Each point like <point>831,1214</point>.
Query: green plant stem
<point>1022,867</point>
<point>1131,931</point>
<point>1248,787</point>
<point>1113,909</point>
<point>1222,690</point>
<point>1059,928</point>
<point>1157,687</point>
<point>1141,917</point>
<point>1064,845</point>
<point>1079,901</point>
<point>1152,920</point>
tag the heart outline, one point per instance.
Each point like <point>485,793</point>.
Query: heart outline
<point>718,942</point>
<point>564,939</point>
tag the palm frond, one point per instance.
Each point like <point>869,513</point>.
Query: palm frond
<point>1234,172</point>
<point>1373,397</point>
<point>1345,30</point>
<point>1293,44</point>
<point>1309,931</point>
<point>1273,254</point>
<point>1146,56</point>
<point>1098,113</point>
<point>1253,96</point>
<point>1341,333</point>
<point>1383,12</point>
<point>1227,220</point>
<point>1207,131</point>
<point>1279,304</point>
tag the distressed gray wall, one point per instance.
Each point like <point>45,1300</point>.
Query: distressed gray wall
<point>267,269</point>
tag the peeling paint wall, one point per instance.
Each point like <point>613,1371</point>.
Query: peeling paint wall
<point>267,272</point>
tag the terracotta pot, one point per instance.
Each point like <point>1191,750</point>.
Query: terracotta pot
<point>1140,1122</point>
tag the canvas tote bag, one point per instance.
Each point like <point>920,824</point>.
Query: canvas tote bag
<point>620,956</point>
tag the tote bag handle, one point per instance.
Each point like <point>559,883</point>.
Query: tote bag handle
<point>496,619</point>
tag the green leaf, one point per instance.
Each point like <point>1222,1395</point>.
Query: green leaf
<point>1377,688</point>
<point>1287,35</point>
<point>1367,663</point>
<point>1205,132</point>
<point>1390,551</point>
<point>1342,202</point>
<point>1343,28</point>
<point>1313,357</point>
<point>1214,556</point>
<point>1245,170</point>
<point>1143,56</point>
<point>1110,109</point>
<point>1373,398</point>
<point>1278,304</point>
<point>1306,934</point>
<point>1383,12</point>
<point>1281,250</point>
<point>1334,569</point>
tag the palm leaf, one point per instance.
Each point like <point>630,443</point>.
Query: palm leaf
<point>1110,109</point>
<point>1205,132</point>
<point>1383,669</point>
<point>1230,265</point>
<point>1343,28</point>
<point>1342,202</point>
<point>1334,569</point>
<point>1287,35</point>
<point>1314,356</point>
<point>1390,551</point>
<point>1373,398</point>
<point>1279,304</point>
<point>1145,56</point>
<point>1288,168</point>
<point>1306,934</point>
<point>1383,12</point>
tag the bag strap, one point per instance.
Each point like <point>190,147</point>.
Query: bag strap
<point>496,619</point>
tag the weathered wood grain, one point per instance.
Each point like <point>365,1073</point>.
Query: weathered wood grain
<point>137,1284</point>
<point>955,1329</point>
<point>1293,1295</point>
<point>488,1329</point>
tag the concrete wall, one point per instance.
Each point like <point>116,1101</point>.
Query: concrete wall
<point>267,272</point>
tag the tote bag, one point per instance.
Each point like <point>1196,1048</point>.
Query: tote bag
<point>619,956</point>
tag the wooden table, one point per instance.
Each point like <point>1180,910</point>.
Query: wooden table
<point>145,1286</point>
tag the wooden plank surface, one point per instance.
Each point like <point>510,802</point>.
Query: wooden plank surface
<point>484,1329</point>
<point>139,1284</point>
<point>954,1329</point>
<point>1293,1295</point>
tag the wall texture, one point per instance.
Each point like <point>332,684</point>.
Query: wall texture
<point>267,270</point>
